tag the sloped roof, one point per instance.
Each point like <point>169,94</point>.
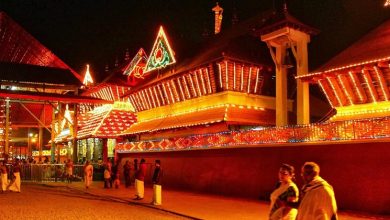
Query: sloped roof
<point>373,47</point>
<point>18,46</point>
<point>105,122</point>
<point>26,73</point>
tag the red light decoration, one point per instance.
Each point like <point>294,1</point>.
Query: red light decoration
<point>161,55</point>
<point>362,129</point>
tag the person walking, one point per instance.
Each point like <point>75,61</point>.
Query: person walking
<point>157,177</point>
<point>69,170</point>
<point>14,185</point>
<point>88,174</point>
<point>107,175</point>
<point>318,199</point>
<point>139,180</point>
<point>4,176</point>
<point>115,174</point>
<point>285,193</point>
<point>126,173</point>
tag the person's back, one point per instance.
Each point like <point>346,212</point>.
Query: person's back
<point>141,173</point>
<point>318,201</point>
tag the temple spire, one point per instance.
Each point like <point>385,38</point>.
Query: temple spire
<point>87,78</point>
<point>218,18</point>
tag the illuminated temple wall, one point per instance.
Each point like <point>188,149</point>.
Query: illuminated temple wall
<point>357,171</point>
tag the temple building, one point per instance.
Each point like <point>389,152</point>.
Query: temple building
<point>211,118</point>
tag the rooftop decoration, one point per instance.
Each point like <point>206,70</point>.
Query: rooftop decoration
<point>106,121</point>
<point>136,68</point>
<point>218,18</point>
<point>162,54</point>
<point>87,78</point>
<point>339,131</point>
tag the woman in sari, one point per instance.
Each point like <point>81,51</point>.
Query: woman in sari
<point>284,195</point>
<point>88,174</point>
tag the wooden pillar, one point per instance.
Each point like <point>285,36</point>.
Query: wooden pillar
<point>74,140</point>
<point>303,97</point>
<point>105,150</point>
<point>281,87</point>
<point>6,136</point>
<point>53,133</point>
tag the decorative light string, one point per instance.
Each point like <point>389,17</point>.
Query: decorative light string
<point>208,81</point>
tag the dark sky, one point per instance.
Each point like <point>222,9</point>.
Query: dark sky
<point>98,31</point>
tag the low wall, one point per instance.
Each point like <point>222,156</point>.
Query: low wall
<point>358,172</point>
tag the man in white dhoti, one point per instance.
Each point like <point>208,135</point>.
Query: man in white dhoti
<point>4,176</point>
<point>88,174</point>
<point>318,201</point>
<point>139,180</point>
<point>157,176</point>
<point>14,185</point>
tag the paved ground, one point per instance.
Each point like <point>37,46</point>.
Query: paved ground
<point>68,201</point>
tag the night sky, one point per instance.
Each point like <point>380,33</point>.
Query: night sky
<point>99,31</point>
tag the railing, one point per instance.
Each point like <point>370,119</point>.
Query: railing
<point>363,129</point>
<point>52,172</point>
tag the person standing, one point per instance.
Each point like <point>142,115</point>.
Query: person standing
<point>157,177</point>
<point>318,199</point>
<point>69,170</point>
<point>126,173</point>
<point>88,174</point>
<point>14,185</point>
<point>4,176</point>
<point>107,175</point>
<point>139,180</point>
<point>286,193</point>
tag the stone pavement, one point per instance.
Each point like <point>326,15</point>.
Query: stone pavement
<point>195,205</point>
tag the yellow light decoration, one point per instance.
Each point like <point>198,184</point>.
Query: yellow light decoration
<point>150,97</point>
<point>234,76</point>
<point>87,78</point>
<point>249,79</point>
<point>197,84</point>
<point>382,82</point>
<point>208,81</point>
<point>358,87</point>
<point>387,3</point>
<point>186,87</point>
<point>370,86</point>
<point>192,85</point>
<point>164,90</point>
<point>369,110</point>
<point>344,67</point>
<point>345,89</point>
<point>257,79</point>
<point>220,75</point>
<point>161,94</point>
<point>226,75</point>
<point>170,92</point>
<point>335,91</point>
<point>156,95</point>
<point>242,78</point>
<point>181,89</point>
<point>326,94</point>
<point>202,81</point>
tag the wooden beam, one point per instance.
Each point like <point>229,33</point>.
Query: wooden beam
<point>382,82</point>
<point>341,99</point>
<point>346,88</point>
<point>370,85</point>
<point>359,89</point>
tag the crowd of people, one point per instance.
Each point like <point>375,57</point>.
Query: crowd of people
<point>315,201</point>
<point>13,182</point>
<point>131,173</point>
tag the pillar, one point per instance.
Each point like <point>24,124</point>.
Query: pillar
<point>281,88</point>
<point>303,98</point>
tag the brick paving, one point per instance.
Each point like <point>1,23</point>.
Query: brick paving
<point>73,201</point>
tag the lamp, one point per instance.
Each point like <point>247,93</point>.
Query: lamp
<point>287,60</point>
